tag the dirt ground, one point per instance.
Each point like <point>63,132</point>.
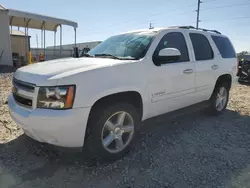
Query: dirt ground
<point>194,150</point>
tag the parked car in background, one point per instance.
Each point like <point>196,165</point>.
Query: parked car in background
<point>244,69</point>
<point>97,101</point>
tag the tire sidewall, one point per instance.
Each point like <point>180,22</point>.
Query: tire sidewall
<point>214,98</point>
<point>94,141</point>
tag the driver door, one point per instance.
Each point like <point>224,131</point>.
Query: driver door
<point>172,82</point>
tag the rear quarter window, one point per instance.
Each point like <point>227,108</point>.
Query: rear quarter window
<point>224,46</point>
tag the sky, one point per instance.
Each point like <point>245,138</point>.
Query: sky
<point>100,19</point>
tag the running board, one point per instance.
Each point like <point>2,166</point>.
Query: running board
<point>183,111</point>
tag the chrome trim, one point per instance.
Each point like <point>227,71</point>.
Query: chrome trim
<point>23,93</point>
<point>26,91</point>
<point>23,85</point>
<point>188,71</point>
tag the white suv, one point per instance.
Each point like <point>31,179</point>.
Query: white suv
<point>98,100</point>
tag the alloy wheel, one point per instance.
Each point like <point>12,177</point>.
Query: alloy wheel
<point>117,132</point>
<point>221,99</point>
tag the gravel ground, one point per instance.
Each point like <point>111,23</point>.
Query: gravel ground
<point>194,150</point>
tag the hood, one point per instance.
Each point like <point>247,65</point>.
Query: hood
<point>43,71</point>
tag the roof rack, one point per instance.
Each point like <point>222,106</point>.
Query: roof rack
<point>192,27</point>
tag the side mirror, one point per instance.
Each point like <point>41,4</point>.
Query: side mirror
<point>166,55</point>
<point>169,52</point>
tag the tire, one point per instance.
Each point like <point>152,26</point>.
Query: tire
<point>98,131</point>
<point>214,108</point>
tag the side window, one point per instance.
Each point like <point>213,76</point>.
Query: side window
<point>201,46</point>
<point>224,46</point>
<point>173,40</point>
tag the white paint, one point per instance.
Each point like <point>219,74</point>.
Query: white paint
<point>169,52</point>
<point>163,88</point>
<point>58,127</point>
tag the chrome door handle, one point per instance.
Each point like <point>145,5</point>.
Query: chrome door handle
<point>188,71</point>
<point>214,67</point>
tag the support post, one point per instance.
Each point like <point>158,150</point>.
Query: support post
<point>25,43</point>
<point>60,40</point>
<point>37,46</point>
<point>42,28</point>
<point>198,14</point>
<point>44,39</point>
<point>11,19</point>
<point>76,51</point>
<point>54,53</point>
<point>75,36</point>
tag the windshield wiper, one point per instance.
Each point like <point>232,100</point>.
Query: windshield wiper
<point>107,55</point>
<point>115,57</point>
<point>130,58</point>
<point>86,55</point>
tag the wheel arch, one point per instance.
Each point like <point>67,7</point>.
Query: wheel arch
<point>224,78</point>
<point>130,96</point>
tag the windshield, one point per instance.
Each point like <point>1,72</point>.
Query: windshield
<point>124,46</point>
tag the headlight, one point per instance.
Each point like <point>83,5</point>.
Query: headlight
<point>60,97</point>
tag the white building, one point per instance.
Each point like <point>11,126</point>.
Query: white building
<point>80,46</point>
<point>5,44</point>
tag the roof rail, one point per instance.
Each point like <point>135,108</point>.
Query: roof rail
<point>192,27</point>
<point>215,31</point>
<point>187,27</point>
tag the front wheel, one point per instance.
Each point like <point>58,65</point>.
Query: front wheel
<point>219,99</point>
<point>111,131</point>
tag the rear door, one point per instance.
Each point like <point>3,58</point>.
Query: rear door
<point>227,55</point>
<point>205,65</point>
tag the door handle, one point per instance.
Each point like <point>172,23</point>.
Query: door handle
<point>188,71</point>
<point>214,67</point>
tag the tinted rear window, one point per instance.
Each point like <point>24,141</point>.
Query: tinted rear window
<point>202,48</point>
<point>225,47</point>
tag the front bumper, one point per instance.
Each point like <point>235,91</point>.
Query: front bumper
<point>64,128</point>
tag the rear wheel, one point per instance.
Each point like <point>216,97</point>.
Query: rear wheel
<point>111,131</point>
<point>219,99</point>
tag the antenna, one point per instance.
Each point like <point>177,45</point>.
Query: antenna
<point>150,26</point>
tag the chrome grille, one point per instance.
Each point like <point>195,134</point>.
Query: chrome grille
<point>23,93</point>
<point>23,85</point>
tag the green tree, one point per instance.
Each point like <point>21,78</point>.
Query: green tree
<point>241,54</point>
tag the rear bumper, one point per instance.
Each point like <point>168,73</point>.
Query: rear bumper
<point>64,128</point>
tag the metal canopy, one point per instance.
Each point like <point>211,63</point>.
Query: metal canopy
<point>35,21</point>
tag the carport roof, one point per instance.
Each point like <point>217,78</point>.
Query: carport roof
<point>37,21</point>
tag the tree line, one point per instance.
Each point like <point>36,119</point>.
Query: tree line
<point>240,55</point>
